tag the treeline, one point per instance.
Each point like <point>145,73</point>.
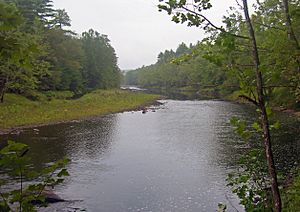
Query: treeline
<point>181,69</point>
<point>38,55</point>
<point>223,62</point>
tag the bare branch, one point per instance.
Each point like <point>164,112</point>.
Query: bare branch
<point>238,3</point>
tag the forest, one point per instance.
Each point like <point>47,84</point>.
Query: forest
<point>129,150</point>
<point>40,56</point>
<point>221,65</point>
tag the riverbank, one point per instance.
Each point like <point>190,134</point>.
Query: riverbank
<point>19,112</point>
<point>235,97</point>
<point>189,93</point>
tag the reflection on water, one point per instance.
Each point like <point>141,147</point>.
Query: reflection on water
<point>174,159</point>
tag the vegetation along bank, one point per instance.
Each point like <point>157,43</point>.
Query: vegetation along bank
<point>19,111</point>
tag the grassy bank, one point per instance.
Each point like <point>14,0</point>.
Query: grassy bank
<point>19,111</point>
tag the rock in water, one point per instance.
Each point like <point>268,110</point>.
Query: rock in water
<point>51,197</point>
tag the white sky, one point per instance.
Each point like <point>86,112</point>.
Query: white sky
<point>138,32</point>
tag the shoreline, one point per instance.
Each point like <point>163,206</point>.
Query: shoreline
<point>18,129</point>
<point>20,113</point>
<point>281,109</point>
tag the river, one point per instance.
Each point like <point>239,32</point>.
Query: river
<point>173,158</point>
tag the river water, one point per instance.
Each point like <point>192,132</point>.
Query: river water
<point>173,158</point>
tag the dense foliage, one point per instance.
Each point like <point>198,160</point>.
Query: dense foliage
<point>38,54</point>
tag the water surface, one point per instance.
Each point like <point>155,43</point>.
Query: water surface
<point>174,159</point>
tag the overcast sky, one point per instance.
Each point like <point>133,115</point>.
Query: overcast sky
<point>137,31</point>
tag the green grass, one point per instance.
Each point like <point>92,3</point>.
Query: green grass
<point>20,111</point>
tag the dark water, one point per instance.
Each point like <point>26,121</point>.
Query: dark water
<point>174,159</point>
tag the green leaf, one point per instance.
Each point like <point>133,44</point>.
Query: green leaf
<point>63,172</point>
<point>59,181</point>
<point>257,126</point>
<point>234,121</point>
<point>269,111</point>
<point>276,125</point>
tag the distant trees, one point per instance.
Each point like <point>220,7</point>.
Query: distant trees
<point>171,70</point>
<point>37,53</point>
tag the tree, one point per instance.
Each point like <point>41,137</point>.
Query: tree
<point>44,11</point>
<point>11,19</point>
<point>61,19</point>
<point>192,13</point>
<point>289,25</point>
<point>20,65</point>
<point>180,69</point>
<point>66,57</point>
<point>280,61</point>
<point>263,111</point>
<point>182,49</point>
<point>26,9</point>
<point>37,54</point>
<point>100,66</point>
<point>32,10</point>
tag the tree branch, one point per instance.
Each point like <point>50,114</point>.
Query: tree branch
<point>249,99</point>
<point>213,25</point>
<point>5,200</point>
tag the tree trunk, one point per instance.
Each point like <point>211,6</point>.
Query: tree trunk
<point>2,88</point>
<point>264,115</point>
<point>2,97</point>
<point>290,29</point>
<point>288,22</point>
